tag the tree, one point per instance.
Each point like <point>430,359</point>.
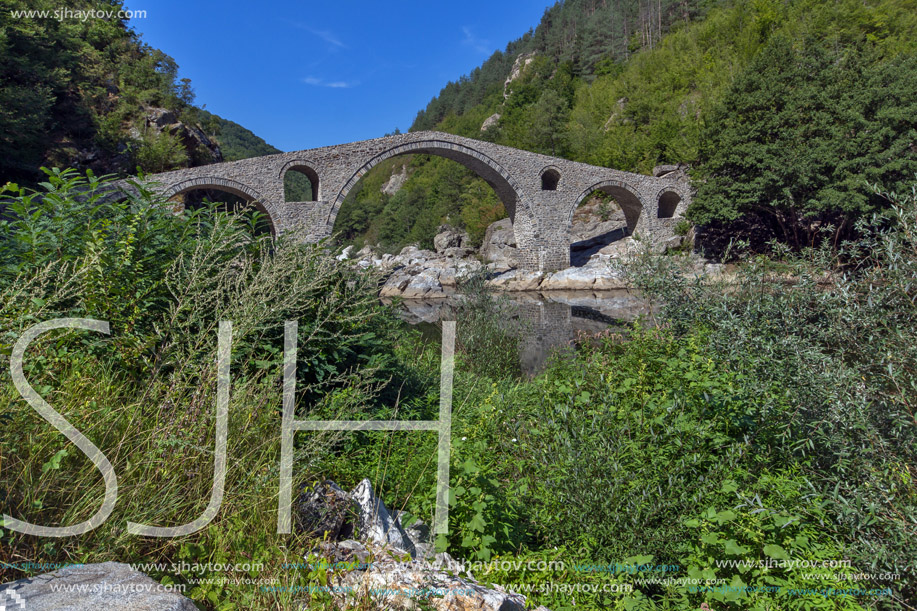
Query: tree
<point>549,117</point>
<point>799,134</point>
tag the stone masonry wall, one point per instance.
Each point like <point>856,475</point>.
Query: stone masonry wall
<point>541,219</point>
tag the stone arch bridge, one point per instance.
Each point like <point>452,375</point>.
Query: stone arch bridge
<point>540,193</point>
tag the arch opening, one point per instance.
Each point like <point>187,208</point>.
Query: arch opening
<point>549,179</point>
<point>502,186</point>
<point>668,204</point>
<point>604,216</point>
<point>226,199</point>
<point>409,198</point>
<point>300,183</point>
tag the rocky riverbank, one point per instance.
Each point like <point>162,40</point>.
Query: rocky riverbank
<point>600,249</point>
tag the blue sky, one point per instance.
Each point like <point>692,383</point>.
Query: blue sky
<point>303,74</point>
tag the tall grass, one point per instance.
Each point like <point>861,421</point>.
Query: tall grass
<point>146,394</point>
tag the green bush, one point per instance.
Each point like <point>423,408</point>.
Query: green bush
<point>145,394</point>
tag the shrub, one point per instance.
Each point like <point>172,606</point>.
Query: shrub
<point>145,394</point>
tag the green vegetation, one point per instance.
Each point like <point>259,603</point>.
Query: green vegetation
<point>145,394</point>
<point>785,109</point>
<point>78,92</point>
<point>753,423</point>
<point>236,142</point>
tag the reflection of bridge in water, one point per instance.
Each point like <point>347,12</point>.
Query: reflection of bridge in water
<point>552,319</point>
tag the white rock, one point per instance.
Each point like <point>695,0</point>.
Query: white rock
<point>345,254</point>
<point>375,523</point>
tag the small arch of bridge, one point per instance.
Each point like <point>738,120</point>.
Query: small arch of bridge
<point>550,178</point>
<point>229,186</point>
<point>307,168</point>
<point>627,197</point>
<point>669,202</point>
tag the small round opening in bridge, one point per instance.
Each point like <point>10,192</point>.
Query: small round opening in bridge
<point>549,180</point>
<point>668,204</point>
<point>300,184</point>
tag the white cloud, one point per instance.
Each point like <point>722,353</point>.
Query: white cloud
<point>317,82</point>
<point>478,44</point>
<point>325,35</point>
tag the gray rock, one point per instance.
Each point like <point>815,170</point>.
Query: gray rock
<point>160,117</point>
<point>499,245</point>
<point>449,238</point>
<point>421,285</point>
<point>375,523</point>
<point>517,280</point>
<point>395,284</point>
<point>393,584</point>
<point>490,121</point>
<point>111,586</point>
<point>457,253</point>
<point>396,181</point>
<point>622,248</point>
<point>422,537</point>
<point>326,509</point>
<point>673,243</point>
<point>345,254</point>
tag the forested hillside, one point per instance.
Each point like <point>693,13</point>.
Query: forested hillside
<point>784,109</point>
<point>91,94</point>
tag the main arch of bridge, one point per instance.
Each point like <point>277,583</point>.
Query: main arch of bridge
<point>539,192</point>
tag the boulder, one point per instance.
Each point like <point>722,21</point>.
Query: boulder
<point>673,243</point>
<point>570,279</point>
<point>376,524</point>
<point>490,121</point>
<point>449,238</point>
<point>326,510</point>
<point>396,567</point>
<point>499,245</point>
<point>400,586</point>
<point>396,284</point>
<point>422,284</point>
<point>345,254</point>
<point>112,586</point>
<point>622,248</point>
<point>396,181</point>
<point>395,583</point>
<point>160,117</point>
<point>457,253</point>
<point>517,280</point>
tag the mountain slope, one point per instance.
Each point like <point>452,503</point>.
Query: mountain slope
<point>91,94</point>
<point>579,88</point>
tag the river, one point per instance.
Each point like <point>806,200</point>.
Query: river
<point>554,319</point>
